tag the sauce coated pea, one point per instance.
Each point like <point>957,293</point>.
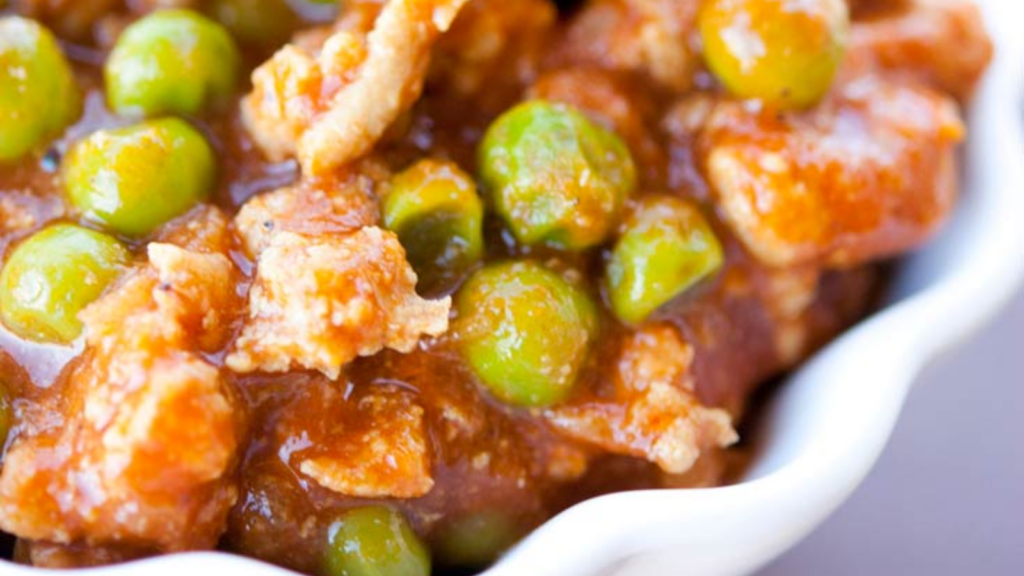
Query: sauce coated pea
<point>477,539</point>
<point>667,247</point>
<point>525,331</point>
<point>49,278</point>
<point>783,52</point>
<point>434,208</point>
<point>264,23</point>
<point>555,176</point>
<point>171,62</point>
<point>132,179</point>
<point>375,541</point>
<point>38,95</point>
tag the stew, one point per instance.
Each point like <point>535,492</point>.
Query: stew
<point>375,287</point>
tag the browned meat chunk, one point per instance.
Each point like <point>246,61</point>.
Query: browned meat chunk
<point>320,302</point>
<point>139,450</point>
<point>942,42</point>
<point>865,175</point>
<point>651,37</point>
<point>653,412</point>
<point>377,78</point>
<point>387,459</point>
<point>311,207</point>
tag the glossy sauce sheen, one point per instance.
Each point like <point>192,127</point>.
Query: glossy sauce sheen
<point>794,277</point>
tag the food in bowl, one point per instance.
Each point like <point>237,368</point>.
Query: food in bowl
<point>441,268</point>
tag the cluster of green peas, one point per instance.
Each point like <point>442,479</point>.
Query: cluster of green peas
<point>120,183</point>
<point>379,541</point>
<point>557,179</point>
<point>553,176</point>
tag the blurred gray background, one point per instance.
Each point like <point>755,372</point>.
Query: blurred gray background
<point>947,497</point>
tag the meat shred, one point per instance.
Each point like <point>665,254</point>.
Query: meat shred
<point>388,459</point>
<point>319,302</point>
<point>144,436</point>
<point>654,412</point>
<point>915,40</point>
<point>493,46</point>
<point>865,175</point>
<point>378,77</point>
<point>330,206</point>
<point>651,37</point>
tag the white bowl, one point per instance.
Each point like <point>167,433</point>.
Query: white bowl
<point>827,425</point>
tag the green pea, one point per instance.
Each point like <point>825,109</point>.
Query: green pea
<point>434,208</point>
<point>525,331</point>
<point>50,277</point>
<point>267,23</point>
<point>130,180</point>
<point>38,95</point>
<point>171,62</point>
<point>477,539</point>
<point>554,176</point>
<point>375,541</point>
<point>783,52</point>
<point>666,248</point>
